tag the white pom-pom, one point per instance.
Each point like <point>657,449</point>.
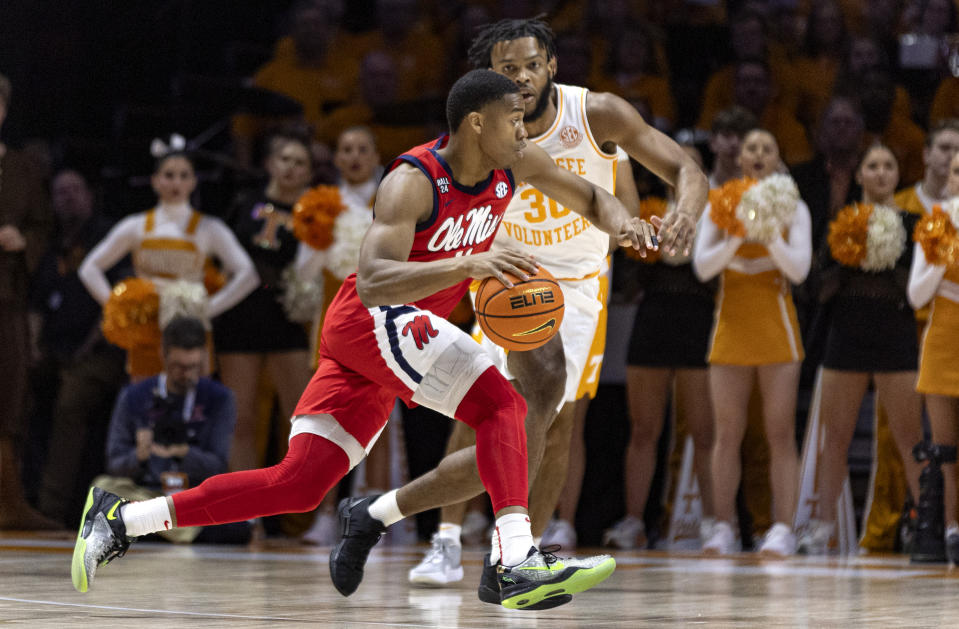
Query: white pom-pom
<point>301,297</point>
<point>182,298</point>
<point>768,207</point>
<point>885,239</point>
<point>343,256</point>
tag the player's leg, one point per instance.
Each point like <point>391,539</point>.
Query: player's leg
<point>554,472</point>
<point>442,563</point>
<point>457,477</point>
<point>540,377</point>
<point>321,452</point>
<point>298,483</point>
<point>561,470</point>
<point>454,376</point>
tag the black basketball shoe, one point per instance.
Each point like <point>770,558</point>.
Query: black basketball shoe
<point>359,533</point>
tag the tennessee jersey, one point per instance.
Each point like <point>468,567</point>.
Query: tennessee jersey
<point>567,244</point>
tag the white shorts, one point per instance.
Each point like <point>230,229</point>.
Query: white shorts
<point>583,332</point>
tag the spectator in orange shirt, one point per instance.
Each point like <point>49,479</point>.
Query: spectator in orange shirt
<point>315,65</point>
<point>418,54</point>
<point>459,24</point>
<point>864,54</point>
<point>823,48</point>
<point>633,72</point>
<point>748,38</point>
<point>395,124</point>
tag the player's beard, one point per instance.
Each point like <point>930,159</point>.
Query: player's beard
<point>541,103</point>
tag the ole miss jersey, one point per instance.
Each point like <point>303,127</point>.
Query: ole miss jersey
<point>464,219</point>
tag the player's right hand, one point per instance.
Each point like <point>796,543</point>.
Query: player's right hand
<point>639,235</point>
<point>498,263</point>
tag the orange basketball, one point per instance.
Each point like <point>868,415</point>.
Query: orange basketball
<point>523,317</point>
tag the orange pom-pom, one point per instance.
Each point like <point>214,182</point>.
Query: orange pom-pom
<point>723,202</point>
<point>648,208</point>
<point>315,214</point>
<point>936,234</point>
<point>848,233</point>
<point>131,315</point>
<point>213,278</point>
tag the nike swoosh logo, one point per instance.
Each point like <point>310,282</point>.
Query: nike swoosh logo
<point>111,514</point>
<point>546,326</point>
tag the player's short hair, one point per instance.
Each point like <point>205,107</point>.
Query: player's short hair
<point>473,91</point>
<point>480,52</point>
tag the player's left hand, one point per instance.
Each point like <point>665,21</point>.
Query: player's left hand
<point>638,234</point>
<point>676,232</point>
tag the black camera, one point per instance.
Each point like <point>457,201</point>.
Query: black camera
<point>166,419</point>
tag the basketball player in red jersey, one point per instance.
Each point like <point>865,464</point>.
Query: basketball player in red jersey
<point>385,335</point>
<point>581,130</point>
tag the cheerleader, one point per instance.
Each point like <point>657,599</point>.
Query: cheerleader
<point>170,242</point>
<point>934,277</point>
<point>260,335</point>
<point>667,354</point>
<point>755,234</point>
<point>871,332</point>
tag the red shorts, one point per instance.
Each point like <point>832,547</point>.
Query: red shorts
<point>371,356</point>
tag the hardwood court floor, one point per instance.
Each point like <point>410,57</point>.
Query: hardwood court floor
<point>160,585</point>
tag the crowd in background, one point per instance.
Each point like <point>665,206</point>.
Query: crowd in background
<point>351,85</point>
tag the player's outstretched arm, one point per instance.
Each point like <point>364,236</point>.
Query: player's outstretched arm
<point>386,276</point>
<point>612,119</point>
<point>598,206</point>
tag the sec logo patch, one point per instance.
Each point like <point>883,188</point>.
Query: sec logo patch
<point>570,137</point>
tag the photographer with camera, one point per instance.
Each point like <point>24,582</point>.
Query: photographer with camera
<point>172,431</point>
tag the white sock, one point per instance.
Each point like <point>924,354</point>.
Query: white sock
<point>147,516</point>
<point>450,531</point>
<point>385,508</point>
<point>512,539</point>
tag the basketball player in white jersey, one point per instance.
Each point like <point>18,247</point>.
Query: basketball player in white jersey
<point>581,131</point>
